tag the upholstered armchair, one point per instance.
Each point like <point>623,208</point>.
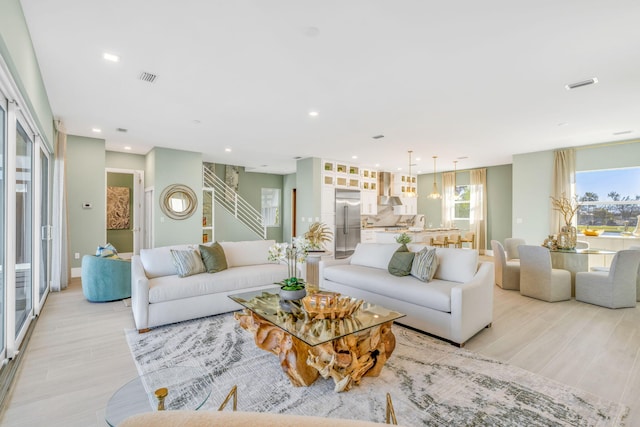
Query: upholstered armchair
<point>606,270</point>
<point>616,288</point>
<point>511,247</point>
<point>507,273</point>
<point>105,279</point>
<point>538,279</point>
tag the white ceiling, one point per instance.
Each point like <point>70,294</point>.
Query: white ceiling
<point>484,80</point>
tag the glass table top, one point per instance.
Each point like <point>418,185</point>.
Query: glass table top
<point>188,388</point>
<point>267,305</point>
<point>592,251</point>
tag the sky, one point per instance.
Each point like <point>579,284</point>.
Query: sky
<point>626,182</point>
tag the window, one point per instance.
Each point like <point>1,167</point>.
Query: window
<point>271,207</point>
<point>462,202</point>
<point>609,199</point>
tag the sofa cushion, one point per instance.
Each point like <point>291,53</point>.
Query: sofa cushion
<point>436,296</point>
<point>169,288</point>
<point>425,264</point>
<point>213,257</point>
<point>456,265</point>
<point>377,255</point>
<point>400,264</point>
<point>187,262</point>
<point>251,252</point>
<point>158,261</point>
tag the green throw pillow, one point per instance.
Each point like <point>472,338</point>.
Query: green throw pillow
<point>425,264</point>
<point>400,264</point>
<point>213,257</point>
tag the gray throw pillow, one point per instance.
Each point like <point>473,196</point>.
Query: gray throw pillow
<point>213,257</point>
<point>400,264</point>
<point>187,262</point>
<point>425,264</point>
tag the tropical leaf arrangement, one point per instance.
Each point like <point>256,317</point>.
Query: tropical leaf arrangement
<point>318,234</point>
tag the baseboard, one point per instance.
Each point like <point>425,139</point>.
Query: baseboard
<point>76,272</point>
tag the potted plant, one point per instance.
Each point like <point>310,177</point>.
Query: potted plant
<point>293,287</point>
<point>403,238</point>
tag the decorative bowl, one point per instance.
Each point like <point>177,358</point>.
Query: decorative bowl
<point>590,232</point>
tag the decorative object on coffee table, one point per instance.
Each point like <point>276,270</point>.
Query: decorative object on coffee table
<point>292,254</point>
<point>329,305</point>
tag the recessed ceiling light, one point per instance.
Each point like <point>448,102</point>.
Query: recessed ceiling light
<point>463,157</point>
<point>96,130</point>
<point>377,165</point>
<point>354,157</point>
<point>111,57</point>
<point>313,113</point>
<point>127,147</point>
<point>581,84</point>
<point>228,150</point>
<point>417,159</point>
<point>399,169</point>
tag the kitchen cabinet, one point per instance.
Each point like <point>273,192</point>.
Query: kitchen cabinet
<point>403,184</point>
<point>409,206</point>
<point>368,203</point>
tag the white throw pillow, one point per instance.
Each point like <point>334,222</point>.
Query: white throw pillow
<point>425,264</point>
<point>456,265</point>
<point>251,252</point>
<point>376,255</point>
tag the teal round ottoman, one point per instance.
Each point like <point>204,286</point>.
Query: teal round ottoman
<point>105,279</point>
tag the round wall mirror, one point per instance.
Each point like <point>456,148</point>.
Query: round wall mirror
<point>178,201</point>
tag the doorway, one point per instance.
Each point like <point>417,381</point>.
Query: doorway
<point>125,210</point>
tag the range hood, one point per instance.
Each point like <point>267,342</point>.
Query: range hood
<point>384,190</point>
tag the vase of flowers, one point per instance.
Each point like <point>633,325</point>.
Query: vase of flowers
<point>293,287</point>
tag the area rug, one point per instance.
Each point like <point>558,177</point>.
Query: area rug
<point>431,382</point>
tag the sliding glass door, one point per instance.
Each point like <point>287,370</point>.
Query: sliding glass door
<point>24,229</point>
<point>3,238</point>
<point>45,228</point>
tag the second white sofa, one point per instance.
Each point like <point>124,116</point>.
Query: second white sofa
<point>159,296</point>
<point>455,305</point>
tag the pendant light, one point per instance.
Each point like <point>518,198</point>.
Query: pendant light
<point>410,192</point>
<point>435,194</point>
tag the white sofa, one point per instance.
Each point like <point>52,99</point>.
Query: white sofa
<point>455,305</point>
<point>159,296</point>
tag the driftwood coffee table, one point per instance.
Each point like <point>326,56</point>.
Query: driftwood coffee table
<point>342,349</point>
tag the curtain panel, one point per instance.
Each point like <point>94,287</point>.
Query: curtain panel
<point>60,267</point>
<point>448,199</point>
<point>564,180</point>
<point>478,202</point>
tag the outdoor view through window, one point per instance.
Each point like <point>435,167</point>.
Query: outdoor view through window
<point>609,200</point>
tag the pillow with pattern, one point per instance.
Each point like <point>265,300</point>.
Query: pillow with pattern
<point>425,264</point>
<point>187,262</point>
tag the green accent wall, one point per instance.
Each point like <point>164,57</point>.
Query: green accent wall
<point>499,203</point>
<point>308,192</point>
<point>176,167</point>
<point>85,184</point>
<point>122,240</point>
<point>430,208</point>
<point>125,161</point>
<point>17,51</point>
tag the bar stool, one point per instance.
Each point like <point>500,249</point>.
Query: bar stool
<point>470,238</point>
<point>455,240</point>
<point>441,241</point>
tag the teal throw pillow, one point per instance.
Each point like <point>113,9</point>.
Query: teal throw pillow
<point>425,264</point>
<point>213,257</point>
<point>187,262</point>
<point>400,264</point>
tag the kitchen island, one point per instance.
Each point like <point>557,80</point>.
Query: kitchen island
<point>389,234</point>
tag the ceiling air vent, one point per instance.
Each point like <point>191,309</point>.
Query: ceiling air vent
<point>148,77</point>
<point>582,83</point>
<point>377,136</point>
<point>123,130</point>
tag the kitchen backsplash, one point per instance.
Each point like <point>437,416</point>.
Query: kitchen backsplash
<point>385,218</point>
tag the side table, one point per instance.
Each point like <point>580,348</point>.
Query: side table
<point>187,388</point>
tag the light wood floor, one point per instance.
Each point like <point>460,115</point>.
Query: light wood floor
<point>78,355</point>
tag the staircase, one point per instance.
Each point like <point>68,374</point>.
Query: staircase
<point>228,199</point>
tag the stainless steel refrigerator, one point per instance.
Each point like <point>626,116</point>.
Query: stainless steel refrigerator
<point>347,234</point>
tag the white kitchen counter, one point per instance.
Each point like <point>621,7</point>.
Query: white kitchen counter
<point>389,236</point>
